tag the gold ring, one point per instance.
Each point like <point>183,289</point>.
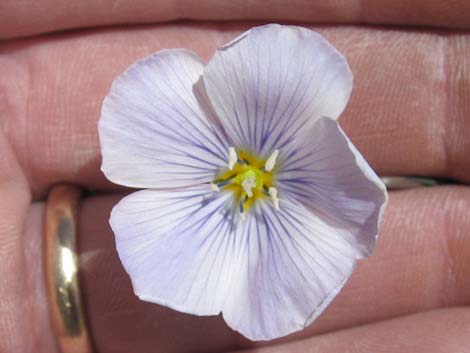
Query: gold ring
<point>61,270</point>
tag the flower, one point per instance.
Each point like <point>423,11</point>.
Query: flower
<point>257,204</point>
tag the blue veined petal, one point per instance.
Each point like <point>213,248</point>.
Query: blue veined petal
<point>153,130</point>
<point>178,246</point>
<point>269,275</point>
<point>292,265</point>
<point>274,80</point>
<point>326,173</point>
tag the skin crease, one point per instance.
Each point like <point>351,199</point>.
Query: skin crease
<point>408,115</point>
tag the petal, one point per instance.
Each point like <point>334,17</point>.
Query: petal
<point>153,131</point>
<point>274,80</point>
<point>269,275</point>
<point>326,173</point>
<point>293,265</point>
<point>178,246</point>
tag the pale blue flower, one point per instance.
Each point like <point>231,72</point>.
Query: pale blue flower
<point>257,204</point>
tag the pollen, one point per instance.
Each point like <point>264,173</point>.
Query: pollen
<point>249,178</point>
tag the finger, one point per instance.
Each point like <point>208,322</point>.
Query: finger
<point>439,331</point>
<point>52,15</point>
<point>22,298</point>
<point>408,113</point>
<point>422,262</point>
<point>414,124</point>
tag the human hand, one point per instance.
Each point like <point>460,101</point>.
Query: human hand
<point>408,115</point>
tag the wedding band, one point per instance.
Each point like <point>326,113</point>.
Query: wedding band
<point>61,261</point>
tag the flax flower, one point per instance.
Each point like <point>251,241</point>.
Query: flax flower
<point>256,204</point>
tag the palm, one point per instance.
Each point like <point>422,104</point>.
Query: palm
<point>407,116</point>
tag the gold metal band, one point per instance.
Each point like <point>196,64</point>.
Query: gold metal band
<point>61,263</point>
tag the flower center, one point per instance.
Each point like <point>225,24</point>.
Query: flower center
<point>249,178</point>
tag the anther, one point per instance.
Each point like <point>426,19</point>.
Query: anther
<point>273,194</point>
<point>232,157</point>
<point>271,161</point>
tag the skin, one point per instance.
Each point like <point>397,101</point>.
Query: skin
<point>409,115</point>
